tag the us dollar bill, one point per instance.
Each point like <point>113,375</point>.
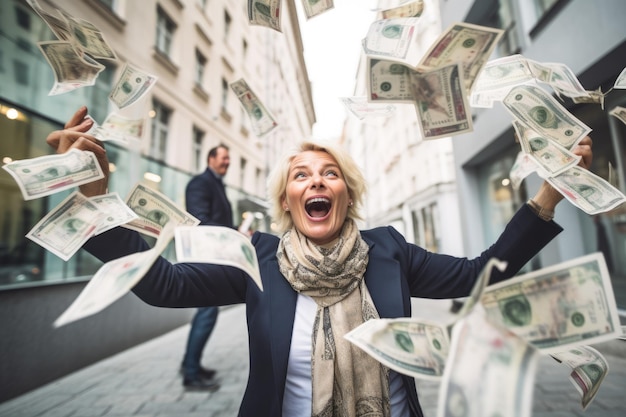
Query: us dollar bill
<point>619,112</point>
<point>88,39</point>
<point>489,371</point>
<point>559,307</point>
<point>441,102</point>
<point>522,167</point>
<point>119,129</point>
<point>131,86</point>
<point>464,43</point>
<point>594,97</point>
<point>67,227</point>
<point>564,81</point>
<point>414,8</point>
<point>71,71</point>
<point>115,211</point>
<point>58,25</point>
<point>265,13</point>
<point>113,280</point>
<point>549,155</point>
<point>390,38</point>
<point>388,81</point>
<point>218,245</point>
<point>410,346</point>
<point>154,211</point>
<point>261,120</point>
<point>589,367</point>
<point>587,191</point>
<point>541,112</point>
<point>361,108</point>
<point>50,174</point>
<point>479,287</point>
<point>500,75</point>
<point>313,8</point>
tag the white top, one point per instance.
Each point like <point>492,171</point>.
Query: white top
<point>298,387</point>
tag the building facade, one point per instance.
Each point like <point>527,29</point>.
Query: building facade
<point>196,48</point>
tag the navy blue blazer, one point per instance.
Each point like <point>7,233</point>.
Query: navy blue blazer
<point>396,271</point>
<point>205,199</point>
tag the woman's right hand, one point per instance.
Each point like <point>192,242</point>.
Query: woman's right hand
<point>73,137</point>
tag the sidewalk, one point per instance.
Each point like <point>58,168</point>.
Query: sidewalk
<point>144,381</point>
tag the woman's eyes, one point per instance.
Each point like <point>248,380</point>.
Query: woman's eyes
<point>329,173</point>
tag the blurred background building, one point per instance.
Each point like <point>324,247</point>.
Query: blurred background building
<point>196,48</point>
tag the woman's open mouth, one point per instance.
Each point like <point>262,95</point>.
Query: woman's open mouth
<point>317,207</point>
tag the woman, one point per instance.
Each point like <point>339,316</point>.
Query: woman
<point>321,278</point>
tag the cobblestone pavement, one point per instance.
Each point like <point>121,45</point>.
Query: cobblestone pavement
<point>144,381</point>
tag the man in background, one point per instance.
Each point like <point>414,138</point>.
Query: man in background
<point>206,199</point>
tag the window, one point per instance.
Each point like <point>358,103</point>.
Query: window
<point>98,95</point>
<point>242,171</point>
<point>225,91</point>
<point>165,32</point>
<point>198,140</point>
<point>21,72</point>
<point>227,22</point>
<point>200,65</point>
<point>160,128</point>
<point>23,18</point>
<point>109,3</point>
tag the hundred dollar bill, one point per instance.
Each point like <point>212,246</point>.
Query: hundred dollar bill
<point>313,8</point>
<point>479,287</point>
<point>361,108</point>
<point>522,167</point>
<point>265,13</point>
<point>390,38</point>
<point>218,245</point>
<point>389,4</point>
<point>412,9</point>
<point>115,211</point>
<point>71,71</point>
<point>86,38</point>
<point>154,211</point>
<point>587,191</point>
<point>119,129</point>
<point>113,280</point>
<point>261,120</point>
<point>559,307</point>
<point>541,112</point>
<point>620,82</point>
<point>564,81</point>
<point>409,346</point>
<point>45,175</point>
<point>441,102</point>
<point>589,367</point>
<point>549,155</point>
<point>619,112</point>
<point>57,25</point>
<point>470,45</point>
<point>593,97</point>
<point>67,227</point>
<point>500,75</point>
<point>389,81</point>
<point>489,371</point>
<point>132,85</point>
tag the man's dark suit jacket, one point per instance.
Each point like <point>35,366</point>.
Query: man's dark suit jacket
<point>396,271</point>
<point>206,200</point>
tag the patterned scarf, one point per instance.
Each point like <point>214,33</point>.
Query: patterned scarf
<point>346,381</point>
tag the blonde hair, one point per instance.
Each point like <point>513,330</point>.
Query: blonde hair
<point>277,182</point>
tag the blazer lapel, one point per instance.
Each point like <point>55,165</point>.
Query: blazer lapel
<point>383,278</point>
<point>282,299</point>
